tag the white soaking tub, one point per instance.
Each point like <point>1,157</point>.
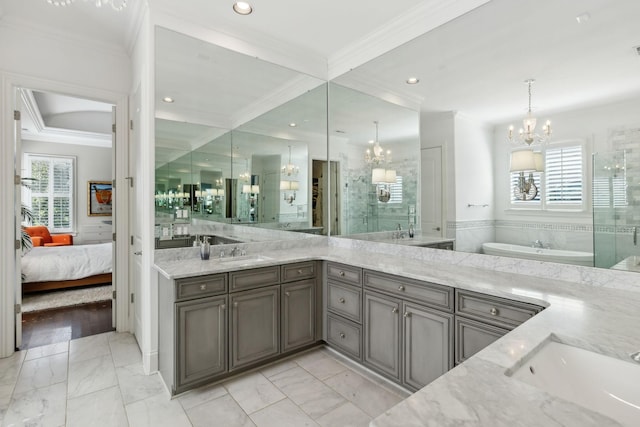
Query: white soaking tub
<point>539,254</point>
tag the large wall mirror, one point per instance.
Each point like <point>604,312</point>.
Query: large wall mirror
<point>236,142</point>
<point>472,73</point>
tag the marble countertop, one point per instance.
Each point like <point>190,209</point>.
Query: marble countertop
<point>478,393</point>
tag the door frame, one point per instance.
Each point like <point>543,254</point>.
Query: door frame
<point>9,279</point>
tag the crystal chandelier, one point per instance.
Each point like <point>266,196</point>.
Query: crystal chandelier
<point>290,169</point>
<point>246,175</point>
<point>527,132</point>
<point>376,155</point>
<point>116,5</point>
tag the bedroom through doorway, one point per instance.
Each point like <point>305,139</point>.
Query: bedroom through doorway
<point>65,150</point>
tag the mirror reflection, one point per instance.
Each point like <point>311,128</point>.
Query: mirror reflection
<point>235,139</point>
<point>470,81</point>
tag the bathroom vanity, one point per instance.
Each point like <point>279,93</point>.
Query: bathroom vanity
<point>451,333</point>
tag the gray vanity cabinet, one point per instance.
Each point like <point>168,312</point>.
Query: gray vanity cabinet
<point>428,344</point>
<point>482,319</point>
<point>254,326</point>
<point>201,339</point>
<point>382,333</point>
<point>408,328</point>
<point>298,314</point>
<point>192,330</point>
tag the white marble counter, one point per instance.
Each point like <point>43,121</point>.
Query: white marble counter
<point>600,311</point>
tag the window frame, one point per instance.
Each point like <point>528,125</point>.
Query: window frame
<point>540,177</point>
<point>50,194</point>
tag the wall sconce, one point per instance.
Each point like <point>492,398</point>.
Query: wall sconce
<point>383,178</point>
<point>522,161</point>
<point>292,186</point>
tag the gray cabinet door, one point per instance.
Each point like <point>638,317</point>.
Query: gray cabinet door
<point>473,336</point>
<point>298,314</point>
<point>382,334</point>
<point>201,338</point>
<point>255,325</point>
<point>428,344</point>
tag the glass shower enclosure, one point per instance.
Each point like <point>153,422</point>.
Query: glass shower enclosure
<point>616,208</point>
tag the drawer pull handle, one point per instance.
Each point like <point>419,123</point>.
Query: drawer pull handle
<point>203,287</point>
<point>299,271</point>
<point>401,288</point>
<point>407,314</point>
<point>394,310</point>
<point>493,311</point>
<point>341,300</point>
<point>287,294</point>
<point>341,274</point>
<point>342,335</point>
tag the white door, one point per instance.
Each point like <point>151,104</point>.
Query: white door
<point>431,191</point>
<point>135,227</point>
<point>18,216</point>
<point>113,217</point>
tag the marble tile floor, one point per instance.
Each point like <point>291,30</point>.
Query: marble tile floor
<point>98,381</point>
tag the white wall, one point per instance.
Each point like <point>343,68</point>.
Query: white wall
<point>92,164</point>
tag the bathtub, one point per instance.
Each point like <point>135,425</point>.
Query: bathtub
<point>539,254</point>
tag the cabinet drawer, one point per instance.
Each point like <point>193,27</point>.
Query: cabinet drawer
<point>345,335</point>
<point>298,271</point>
<point>472,336</point>
<point>499,311</point>
<point>430,294</point>
<point>249,279</point>
<point>201,286</point>
<point>344,273</point>
<point>345,301</point>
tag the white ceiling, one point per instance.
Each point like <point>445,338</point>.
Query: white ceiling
<point>474,64</point>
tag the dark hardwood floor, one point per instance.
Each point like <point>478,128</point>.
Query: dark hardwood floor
<point>65,323</point>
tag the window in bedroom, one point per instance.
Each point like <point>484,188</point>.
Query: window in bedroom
<point>50,194</point>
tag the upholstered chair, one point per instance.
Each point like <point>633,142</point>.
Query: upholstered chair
<point>40,236</point>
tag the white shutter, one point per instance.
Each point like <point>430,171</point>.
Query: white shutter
<point>396,191</point>
<point>564,176</point>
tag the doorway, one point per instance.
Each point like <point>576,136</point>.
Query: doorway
<point>64,154</point>
<point>325,202</point>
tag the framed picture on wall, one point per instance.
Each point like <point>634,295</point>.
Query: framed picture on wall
<point>99,198</point>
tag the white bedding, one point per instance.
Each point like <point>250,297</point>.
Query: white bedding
<point>55,263</point>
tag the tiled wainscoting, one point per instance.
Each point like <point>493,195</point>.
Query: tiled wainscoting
<point>98,381</point>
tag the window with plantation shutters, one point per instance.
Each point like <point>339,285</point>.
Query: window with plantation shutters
<point>563,176</point>
<point>49,194</point>
<point>396,191</point>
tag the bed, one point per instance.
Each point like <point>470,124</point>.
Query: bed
<point>60,267</point>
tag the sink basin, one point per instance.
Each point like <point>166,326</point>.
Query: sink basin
<point>246,259</point>
<point>601,383</point>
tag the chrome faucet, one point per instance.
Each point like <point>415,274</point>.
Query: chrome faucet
<point>234,251</point>
<point>538,244</point>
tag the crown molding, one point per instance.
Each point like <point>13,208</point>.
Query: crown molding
<point>418,20</point>
<point>257,45</point>
<point>23,26</point>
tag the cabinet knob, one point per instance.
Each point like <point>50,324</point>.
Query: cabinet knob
<point>401,288</point>
<point>341,300</point>
<point>223,307</point>
<point>342,335</point>
<point>299,271</point>
<point>235,304</point>
<point>341,274</point>
<point>407,314</point>
<point>287,294</point>
<point>203,287</point>
<point>394,310</point>
<point>493,311</point>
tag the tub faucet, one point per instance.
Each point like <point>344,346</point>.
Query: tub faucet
<point>538,244</point>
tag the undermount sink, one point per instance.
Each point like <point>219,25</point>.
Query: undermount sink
<point>244,259</point>
<point>601,383</point>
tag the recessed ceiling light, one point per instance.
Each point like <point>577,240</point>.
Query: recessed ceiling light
<point>412,80</point>
<point>242,8</point>
<point>167,99</point>
<point>292,124</point>
<point>583,17</point>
